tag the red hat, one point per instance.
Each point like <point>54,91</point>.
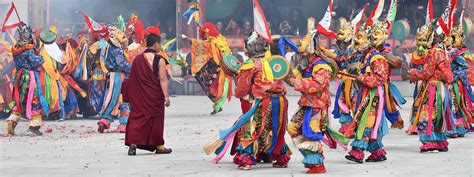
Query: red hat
<point>153,30</point>
<point>208,29</point>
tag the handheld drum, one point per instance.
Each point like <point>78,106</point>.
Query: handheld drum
<point>280,67</point>
<point>230,64</point>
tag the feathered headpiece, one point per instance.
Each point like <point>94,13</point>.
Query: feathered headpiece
<point>135,26</point>
<point>208,30</point>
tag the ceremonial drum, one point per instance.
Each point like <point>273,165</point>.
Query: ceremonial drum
<point>280,67</point>
<point>47,36</point>
<point>231,64</point>
<point>401,29</point>
<point>467,26</point>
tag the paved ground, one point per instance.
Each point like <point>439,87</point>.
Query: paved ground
<point>74,148</point>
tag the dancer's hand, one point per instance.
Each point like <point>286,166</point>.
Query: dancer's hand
<point>167,101</point>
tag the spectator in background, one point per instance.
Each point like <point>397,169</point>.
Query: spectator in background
<point>285,28</point>
<point>297,21</point>
<point>163,36</point>
<point>270,27</point>
<point>247,30</point>
<point>158,24</point>
<point>187,70</point>
<point>170,29</point>
<point>219,26</point>
<point>232,28</point>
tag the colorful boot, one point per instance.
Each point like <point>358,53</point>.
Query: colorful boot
<point>442,146</point>
<point>35,130</point>
<point>281,161</point>
<point>355,156</point>
<point>316,169</point>
<point>11,127</point>
<point>377,156</point>
<point>428,147</point>
<point>12,121</point>
<point>121,128</point>
<point>244,162</point>
<point>103,124</point>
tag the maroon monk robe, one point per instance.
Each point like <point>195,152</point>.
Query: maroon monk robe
<point>143,91</point>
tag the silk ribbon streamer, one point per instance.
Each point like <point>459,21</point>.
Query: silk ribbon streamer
<point>379,112</point>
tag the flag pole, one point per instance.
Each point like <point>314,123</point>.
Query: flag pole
<point>178,7</point>
<point>253,8</point>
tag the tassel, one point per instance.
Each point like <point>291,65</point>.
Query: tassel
<point>343,106</point>
<point>228,142</point>
<point>108,97</point>
<point>266,69</point>
<point>211,147</point>
<point>379,112</point>
<point>431,97</point>
<point>218,104</point>
<point>365,115</point>
<point>347,91</point>
<point>30,95</point>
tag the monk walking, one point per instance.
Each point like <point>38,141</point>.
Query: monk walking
<point>147,92</point>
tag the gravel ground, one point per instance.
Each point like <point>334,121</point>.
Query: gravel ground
<point>74,148</point>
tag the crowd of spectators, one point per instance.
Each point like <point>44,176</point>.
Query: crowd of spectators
<point>292,21</point>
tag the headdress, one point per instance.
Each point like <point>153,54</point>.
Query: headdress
<point>115,36</point>
<point>48,36</point>
<point>152,30</point>
<point>135,26</point>
<point>25,35</point>
<point>208,30</point>
<point>255,45</point>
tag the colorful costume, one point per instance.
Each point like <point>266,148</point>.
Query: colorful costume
<point>346,90</point>
<point>433,116</point>
<point>28,98</point>
<point>96,75</point>
<point>370,120</point>
<point>417,62</point>
<point>70,87</point>
<point>261,130</point>
<point>206,66</point>
<point>7,69</point>
<point>460,89</point>
<point>118,68</point>
<point>310,124</point>
<point>52,55</point>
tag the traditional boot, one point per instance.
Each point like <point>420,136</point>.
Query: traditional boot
<point>316,169</point>
<point>11,127</point>
<point>263,158</point>
<point>355,156</point>
<point>377,156</point>
<point>35,130</point>
<point>280,165</point>
<point>121,128</point>
<point>103,124</point>
<point>428,147</point>
<point>244,162</point>
<point>215,112</point>
<point>12,121</point>
<point>281,161</point>
<point>163,150</point>
<point>132,150</point>
<point>442,146</point>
